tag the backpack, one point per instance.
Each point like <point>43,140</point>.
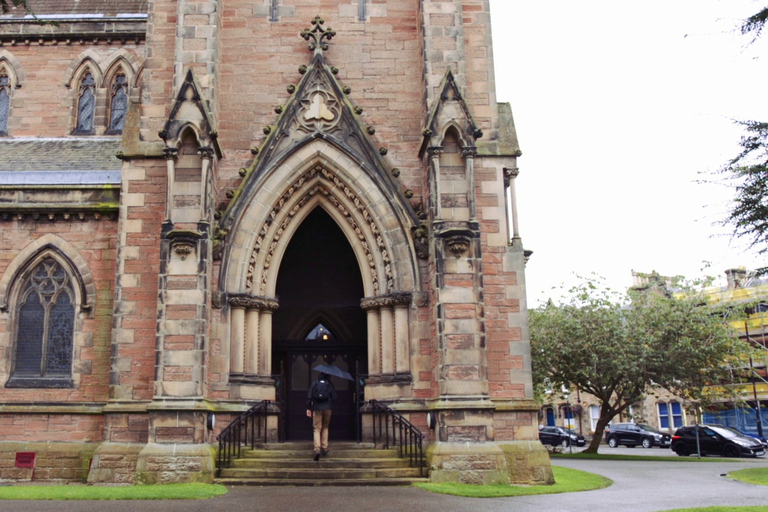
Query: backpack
<point>321,391</point>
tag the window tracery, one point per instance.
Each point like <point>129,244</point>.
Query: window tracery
<point>5,101</point>
<point>86,104</point>
<point>118,105</point>
<point>45,319</point>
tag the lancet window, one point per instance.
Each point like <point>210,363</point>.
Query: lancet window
<point>86,105</point>
<point>44,328</point>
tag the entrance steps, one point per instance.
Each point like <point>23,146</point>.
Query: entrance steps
<point>347,463</point>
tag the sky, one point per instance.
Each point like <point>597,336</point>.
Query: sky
<point>623,111</point>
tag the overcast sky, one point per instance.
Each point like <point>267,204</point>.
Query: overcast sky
<point>620,108</point>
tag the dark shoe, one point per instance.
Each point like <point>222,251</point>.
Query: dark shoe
<point>317,455</point>
<point>323,452</point>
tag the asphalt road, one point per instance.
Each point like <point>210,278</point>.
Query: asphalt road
<point>639,486</point>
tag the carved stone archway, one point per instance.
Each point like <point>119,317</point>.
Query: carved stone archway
<point>320,175</point>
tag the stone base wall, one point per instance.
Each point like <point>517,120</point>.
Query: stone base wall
<point>115,463</point>
<point>520,462</point>
<point>152,463</point>
<point>175,463</point>
<point>54,462</point>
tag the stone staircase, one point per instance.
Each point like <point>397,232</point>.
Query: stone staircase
<point>348,463</point>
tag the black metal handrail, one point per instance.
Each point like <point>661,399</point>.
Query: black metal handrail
<point>393,430</point>
<point>246,430</point>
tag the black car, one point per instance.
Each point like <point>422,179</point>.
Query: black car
<point>633,434</point>
<point>559,436</point>
<point>715,440</point>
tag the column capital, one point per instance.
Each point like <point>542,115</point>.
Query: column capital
<point>253,302</point>
<point>510,174</point>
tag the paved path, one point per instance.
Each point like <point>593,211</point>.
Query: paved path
<point>639,486</point>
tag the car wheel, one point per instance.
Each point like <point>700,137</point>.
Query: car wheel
<point>731,451</point>
<point>682,450</point>
<point>612,442</point>
<point>647,443</point>
<point>565,443</point>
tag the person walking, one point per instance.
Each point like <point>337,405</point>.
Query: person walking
<point>320,398</point>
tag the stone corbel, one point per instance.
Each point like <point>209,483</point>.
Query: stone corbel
<point>458,244</point>
<point>184,242</point>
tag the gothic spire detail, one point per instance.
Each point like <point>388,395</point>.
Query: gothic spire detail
<point>317,35</point>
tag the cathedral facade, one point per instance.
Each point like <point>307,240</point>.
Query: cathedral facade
<point>201,200</point>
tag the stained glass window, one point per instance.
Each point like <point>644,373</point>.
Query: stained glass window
<point>119,105</point>
<point>5,103</point>
<point>44,328</point>
<point>86,105</point>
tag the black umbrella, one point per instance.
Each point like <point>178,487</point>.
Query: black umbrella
<point>332,370</point>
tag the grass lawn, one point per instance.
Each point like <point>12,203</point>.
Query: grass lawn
<point>722,509</point>
<point>91,492</point>
<point>567,480</point>
<point>656,458</point>
<point>757,476</point>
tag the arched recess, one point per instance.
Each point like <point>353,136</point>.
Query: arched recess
<point>319,174</point>
<point>13,67</point>
<point>87,59</point>
<point>86,288</point>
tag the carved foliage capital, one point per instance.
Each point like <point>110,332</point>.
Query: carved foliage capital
<point>253,302</point>
<point>387,301</point>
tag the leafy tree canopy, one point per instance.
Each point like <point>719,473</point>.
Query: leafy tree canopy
<point>7,5</point>
<point>748,215</point>
<point>617,346</point>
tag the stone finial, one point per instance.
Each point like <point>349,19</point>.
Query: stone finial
<point>318,36</point>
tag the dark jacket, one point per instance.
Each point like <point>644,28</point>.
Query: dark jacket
<point>320,406</point>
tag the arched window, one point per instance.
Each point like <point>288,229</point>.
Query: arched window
<point>319,333</point>
<point>86,105</point>
<point>5,102</point>
<point>118,105</point>
<point>44,328</point>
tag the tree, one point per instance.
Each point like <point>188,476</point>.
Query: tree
<point>748,214</point>
<point>617,346</point>
<point>6,5</point>
<point>749,169</point>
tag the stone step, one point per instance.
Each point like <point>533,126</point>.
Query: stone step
<point>320,473</point>
<point>327,462</point>
<point>335,453</point>
<point>319,482</point>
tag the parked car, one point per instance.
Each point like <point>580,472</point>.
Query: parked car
<point>559,436</point>
<point>761,439</point>
<point>715,440</point>
<point>633,434</point>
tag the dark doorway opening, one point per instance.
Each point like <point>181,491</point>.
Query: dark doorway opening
<point>319,321</point>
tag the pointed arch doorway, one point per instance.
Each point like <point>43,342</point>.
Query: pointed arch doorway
<point>320,321</point>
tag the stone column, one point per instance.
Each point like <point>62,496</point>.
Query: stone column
<point>252,335</point>
<point>374,340</point>
<point>206,155</point>
<point>387,340</point>
<point>509,182</point>
<point>434,158</point>
<point>170,161</point>
<point>237,341</point>
<point>402,339</point>
<point>469,154</point>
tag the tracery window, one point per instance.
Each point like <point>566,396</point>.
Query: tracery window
<point>44,328</point>
<point>5,103</point>
<point>86,105</point>
<point>118,105</point>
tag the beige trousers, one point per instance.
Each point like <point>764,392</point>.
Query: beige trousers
<point>320,422</point>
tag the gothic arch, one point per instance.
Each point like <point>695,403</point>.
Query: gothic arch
<point>13,66</point>
<point>121,58</point>
<point>89,59</point>
<point>60,250</point>
<point>318,174</point>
